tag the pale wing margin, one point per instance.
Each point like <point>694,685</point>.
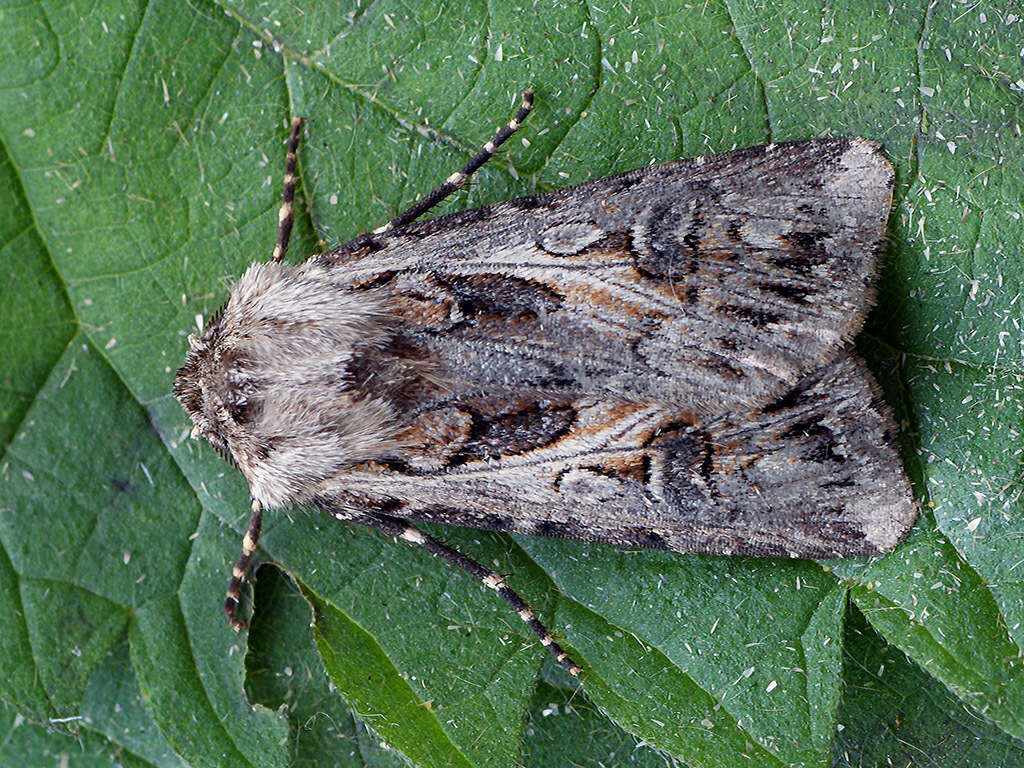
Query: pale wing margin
<point>814,474</point>
<point>711,283</point>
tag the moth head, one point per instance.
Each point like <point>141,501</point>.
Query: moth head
<point>276,382</point>
<point>214,389</point>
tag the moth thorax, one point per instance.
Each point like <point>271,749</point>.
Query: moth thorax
<point>279,380</point>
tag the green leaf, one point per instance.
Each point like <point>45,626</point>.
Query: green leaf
<point>565,729</point>
<point>34,305</point>
<point>25,743</point>
<point>142,154</point>
<point>694,671</point>
<point>285,672</point>
<point>893,714</point>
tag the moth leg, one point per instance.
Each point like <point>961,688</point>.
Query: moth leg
<point>286,215</point>
<point>458,178</point>
<point>391,526</point>
<point>252,535</point>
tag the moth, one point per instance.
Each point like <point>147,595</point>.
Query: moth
<point>660,358</point>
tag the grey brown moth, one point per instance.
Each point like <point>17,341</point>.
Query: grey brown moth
<point>660,359</point>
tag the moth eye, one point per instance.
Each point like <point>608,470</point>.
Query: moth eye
<point>185,387</point>
<point>239,411</point>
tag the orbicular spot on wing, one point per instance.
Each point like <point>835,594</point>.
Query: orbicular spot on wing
<point>569,238</point>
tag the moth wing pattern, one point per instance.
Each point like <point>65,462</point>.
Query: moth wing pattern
<point>813,474</point>
<point>712,283</point>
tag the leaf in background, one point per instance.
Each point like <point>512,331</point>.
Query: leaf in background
<point>565,729</point>
<point>24,743</point>
<point>285,671</point>
<point>893,714</point>
<point>34,307</point>
<point>145,150</point>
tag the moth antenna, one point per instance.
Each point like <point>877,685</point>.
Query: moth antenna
<point>286,215</point>
<point>391,526</point>
<point>458,178</point>
<point>252,536</point>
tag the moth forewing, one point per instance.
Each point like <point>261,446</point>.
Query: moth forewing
<point>659,358</point>
<point>712,283</point>
<point>813,474</point>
